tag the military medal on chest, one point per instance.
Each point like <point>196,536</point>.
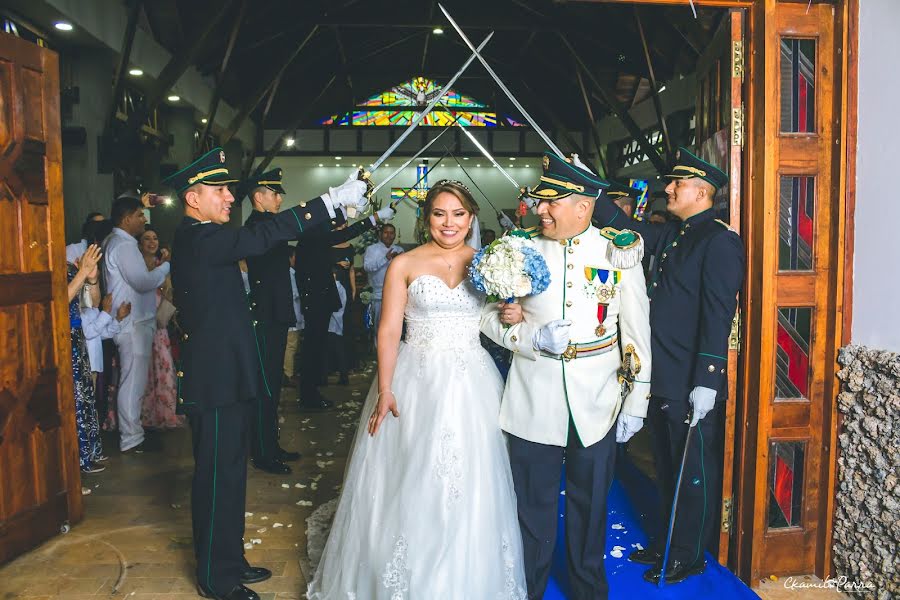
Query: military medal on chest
<point>601,285</point>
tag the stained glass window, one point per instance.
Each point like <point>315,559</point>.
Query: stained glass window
<point>798,85</point>
<point>417,195</point>
<point>398,106</point>
<point>796,206</point>
<point>785,484</point>
<point>792,354</point>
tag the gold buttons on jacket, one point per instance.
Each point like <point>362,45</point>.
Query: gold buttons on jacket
<point>185,337</point>
<point>674,244</point>
<point>568,284</point>
<point>723,370</point>
<point>307,216</point>
<point>711,369</point>
<point>568,303</point>
<point>180,373</point>
<point>571,250</point>
<point>576,242</point>
<point>181,401</point>
<point>303,205</point>
<point>254,323</point>
<point>514,339</point>
<point>570,266</point>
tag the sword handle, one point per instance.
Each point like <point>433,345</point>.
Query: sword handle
<point>362,175</point>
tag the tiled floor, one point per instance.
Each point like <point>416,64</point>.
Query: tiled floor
<point>135,539</point>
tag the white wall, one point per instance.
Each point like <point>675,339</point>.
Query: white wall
<point>876,284</point>
<point>305,179</point>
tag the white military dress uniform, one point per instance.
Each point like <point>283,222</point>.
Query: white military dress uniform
<point>543,390</point>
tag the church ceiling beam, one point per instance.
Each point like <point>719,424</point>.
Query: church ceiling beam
<point>217,93</point>
<point>654,93</point>
<point>265,86</point>
<point>176,67</point>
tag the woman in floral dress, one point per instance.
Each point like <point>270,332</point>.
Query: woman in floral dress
<point>90,449</point>
<point>159,401</point>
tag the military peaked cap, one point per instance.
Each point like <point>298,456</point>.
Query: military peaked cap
<point>688,165</point>
<point>562,178</point>
<point>209,169</point>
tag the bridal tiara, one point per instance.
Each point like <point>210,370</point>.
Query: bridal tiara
<point>454,182</point>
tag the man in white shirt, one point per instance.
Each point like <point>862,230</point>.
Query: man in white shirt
<point>129,280</point>
<point>375,262</point>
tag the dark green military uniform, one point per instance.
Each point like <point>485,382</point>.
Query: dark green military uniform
<point>693,286</point>
<point>272,305</point>
<point>220,367</point>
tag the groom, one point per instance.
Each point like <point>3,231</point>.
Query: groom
<point>571,391</point>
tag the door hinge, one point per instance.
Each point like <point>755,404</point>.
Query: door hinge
<point>737,59</point>
<point>734,338</point>
<point>726,515</point>
<point>737,126</point>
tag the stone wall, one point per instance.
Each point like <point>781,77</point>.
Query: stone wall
<point>867,515</point>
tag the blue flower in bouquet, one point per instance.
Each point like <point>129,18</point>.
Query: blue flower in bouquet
<point>508,268</point>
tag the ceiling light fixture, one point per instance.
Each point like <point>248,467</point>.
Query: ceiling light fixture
<point>512,158</point>
<point>321,165</point>
<point>204,120</point>
<point>479,166</point>
<point>289,142</point>
<point>135,72</point>
<point>63,26</point>
<point>174,98</point>
<point>437,31</point>
<point>337,158</point>
<point>465,158</point>
<point>662,88</point>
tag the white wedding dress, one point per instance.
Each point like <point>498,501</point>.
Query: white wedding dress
<point>428,509</point>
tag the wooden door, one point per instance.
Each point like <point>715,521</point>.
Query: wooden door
<point>40,484</point>
<point>719,133</point>
<point>791,380</point>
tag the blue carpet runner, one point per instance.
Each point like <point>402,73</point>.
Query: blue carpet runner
<point>629,513</point>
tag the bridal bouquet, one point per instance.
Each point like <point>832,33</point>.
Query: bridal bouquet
<point>509,268</point>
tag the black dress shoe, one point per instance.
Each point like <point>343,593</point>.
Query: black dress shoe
<point>646,556</point>
<point>275,467</point>
<point>286,455</point>
<point>238,592</point>
<point>677,571</point>
<point>316,404</point>
<point>255,575</point>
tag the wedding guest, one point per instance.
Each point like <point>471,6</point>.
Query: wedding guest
<point>98,326</point>
<point>337,357</point>
<point>86,422</point>
<point>375,262</point>
<point>343,255</point>
<point>129,280</point>
<point>75,250</point>
<point>293,338</point>
<point>158,402</point>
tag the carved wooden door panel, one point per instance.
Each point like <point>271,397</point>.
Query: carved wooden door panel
<point>40,484</point>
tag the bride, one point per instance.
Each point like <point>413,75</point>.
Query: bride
<point>428,508</point>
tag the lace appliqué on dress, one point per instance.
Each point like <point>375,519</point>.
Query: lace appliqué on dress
<point>512,591</point>
<point>396,575</point>
<point>449,466</point>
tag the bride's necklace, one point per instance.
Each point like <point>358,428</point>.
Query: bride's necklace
<point>446,262</point>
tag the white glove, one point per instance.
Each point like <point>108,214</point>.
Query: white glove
<point>350,193</point>
<point>505,222</point>
<point>577,162</point>
<point>385,214</point>
<point>703,399</point>
<point>627,426</point>
<point>553,337</point>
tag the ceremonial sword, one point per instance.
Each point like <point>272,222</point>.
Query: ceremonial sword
<point>687,443</point>
<point>387,179</point>
<point>503,87</point>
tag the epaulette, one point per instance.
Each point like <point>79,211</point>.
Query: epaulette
<point>627,247</point>
<point>529,233</point>
<point>725,225</point>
